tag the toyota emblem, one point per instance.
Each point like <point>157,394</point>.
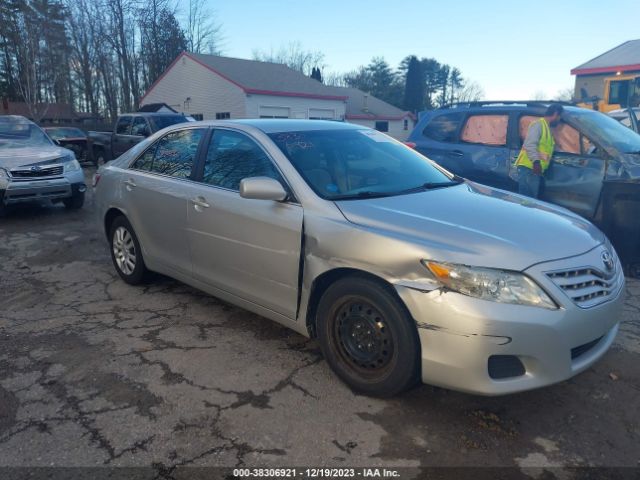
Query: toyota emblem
<point>607,259</point>
<point>35,169</point>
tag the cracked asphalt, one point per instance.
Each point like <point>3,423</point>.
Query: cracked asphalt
<point>94,372</point>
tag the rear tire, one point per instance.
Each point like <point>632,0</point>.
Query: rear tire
<point>126,253</point>
<point>368,337</point>
<point>74,202</point>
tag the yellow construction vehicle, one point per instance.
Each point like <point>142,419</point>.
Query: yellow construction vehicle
<point>620,91</point>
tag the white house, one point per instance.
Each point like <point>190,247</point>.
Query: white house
<point>213,87</point>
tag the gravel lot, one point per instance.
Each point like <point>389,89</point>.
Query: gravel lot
<point>96,372</point>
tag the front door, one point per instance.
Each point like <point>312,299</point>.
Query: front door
<point>575,176</point>
<point>157,195</point>
<point>249,248</point>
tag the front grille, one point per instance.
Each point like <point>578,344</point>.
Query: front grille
<point>38,172</point>
<point>582,349</point>
<point>505,366</point>
<point>588,286</point>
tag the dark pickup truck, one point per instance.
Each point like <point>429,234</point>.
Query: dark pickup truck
<point>129,129</point>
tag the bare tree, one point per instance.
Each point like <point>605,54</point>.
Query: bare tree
<point>294,56</point>
<point>565,95</point>
<point>202,31</point>
<point>470,92</point>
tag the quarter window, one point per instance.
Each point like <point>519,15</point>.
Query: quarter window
<point>172,155</point>
<point>486,130</point>
<point>443,128</point>
<point>233,156</point>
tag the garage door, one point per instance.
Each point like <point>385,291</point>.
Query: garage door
<point>322,114</point>
<point>274,112</point>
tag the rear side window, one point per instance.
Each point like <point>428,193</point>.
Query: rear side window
<point>486,130</point>
<point>443,128</point>
<point>233,156</point>
<point>123,127</point>
<point>172,155</point>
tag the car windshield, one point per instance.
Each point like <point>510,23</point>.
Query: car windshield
<point>606,130</point>
<point>167,120</point>
<point>21,134</point>
<point>349,164</point>
<point>65,132</point>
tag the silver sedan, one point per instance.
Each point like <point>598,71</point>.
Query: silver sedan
<point>402,271</point>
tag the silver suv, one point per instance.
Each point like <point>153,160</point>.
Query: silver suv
<point>402,270</point>
<point>34,168</point>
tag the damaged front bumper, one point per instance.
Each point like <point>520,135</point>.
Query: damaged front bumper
<point>490,348</point>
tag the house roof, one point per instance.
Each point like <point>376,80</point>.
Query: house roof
<point>259,77</point>
<point>156,107</point>
<point>623,57</point>
<point>361,105</point>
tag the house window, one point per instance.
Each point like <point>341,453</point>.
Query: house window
<point>223,115</point>
<point>382,126</point>
<point>405,124</point>
<point>197,116</point>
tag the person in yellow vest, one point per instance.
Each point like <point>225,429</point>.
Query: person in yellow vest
<point>536,153</point>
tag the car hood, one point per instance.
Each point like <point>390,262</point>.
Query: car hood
<point>27,156</point>
<point>477,225</point>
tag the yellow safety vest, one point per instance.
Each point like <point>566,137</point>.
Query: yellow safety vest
<point>545,145</point>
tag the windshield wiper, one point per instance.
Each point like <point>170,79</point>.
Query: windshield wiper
<point>365,194</point>
<point>430,186</point>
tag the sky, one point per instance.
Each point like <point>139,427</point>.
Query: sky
<point>513,49</point>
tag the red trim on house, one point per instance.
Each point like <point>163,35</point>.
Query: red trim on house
<point>246,90</point>
<point>294,94</point>
<point>161,77</point>
<point>377,117</point>
<point>591,71</point>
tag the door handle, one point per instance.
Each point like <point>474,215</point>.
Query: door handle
<point>455,153</point>
<point>130,184</point>
<point>199,203</point>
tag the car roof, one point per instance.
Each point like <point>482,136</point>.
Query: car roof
<point>15,119</point>
<point>277,125</point>
<point>273,125</point>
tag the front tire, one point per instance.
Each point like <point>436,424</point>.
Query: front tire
<point>126,253</point>
<point>368,337</point>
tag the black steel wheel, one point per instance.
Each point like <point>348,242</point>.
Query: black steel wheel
<point>368,337</point>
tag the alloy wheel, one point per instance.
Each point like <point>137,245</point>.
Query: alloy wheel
<point>124,250</point>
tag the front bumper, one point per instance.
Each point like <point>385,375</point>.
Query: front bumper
<point>458,334</point>
<point>45,188</point>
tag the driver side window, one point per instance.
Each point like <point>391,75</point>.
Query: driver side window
<point>568,139</point>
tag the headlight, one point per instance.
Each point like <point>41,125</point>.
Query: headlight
<point>72,166</point>
<point>3,173</point>
<point>490,284</point>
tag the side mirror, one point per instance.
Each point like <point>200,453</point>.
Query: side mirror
<point>262,188</point>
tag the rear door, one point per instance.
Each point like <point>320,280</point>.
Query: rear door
<point>249,248</point>
<point>484,149</point>
<point>157,196</point>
